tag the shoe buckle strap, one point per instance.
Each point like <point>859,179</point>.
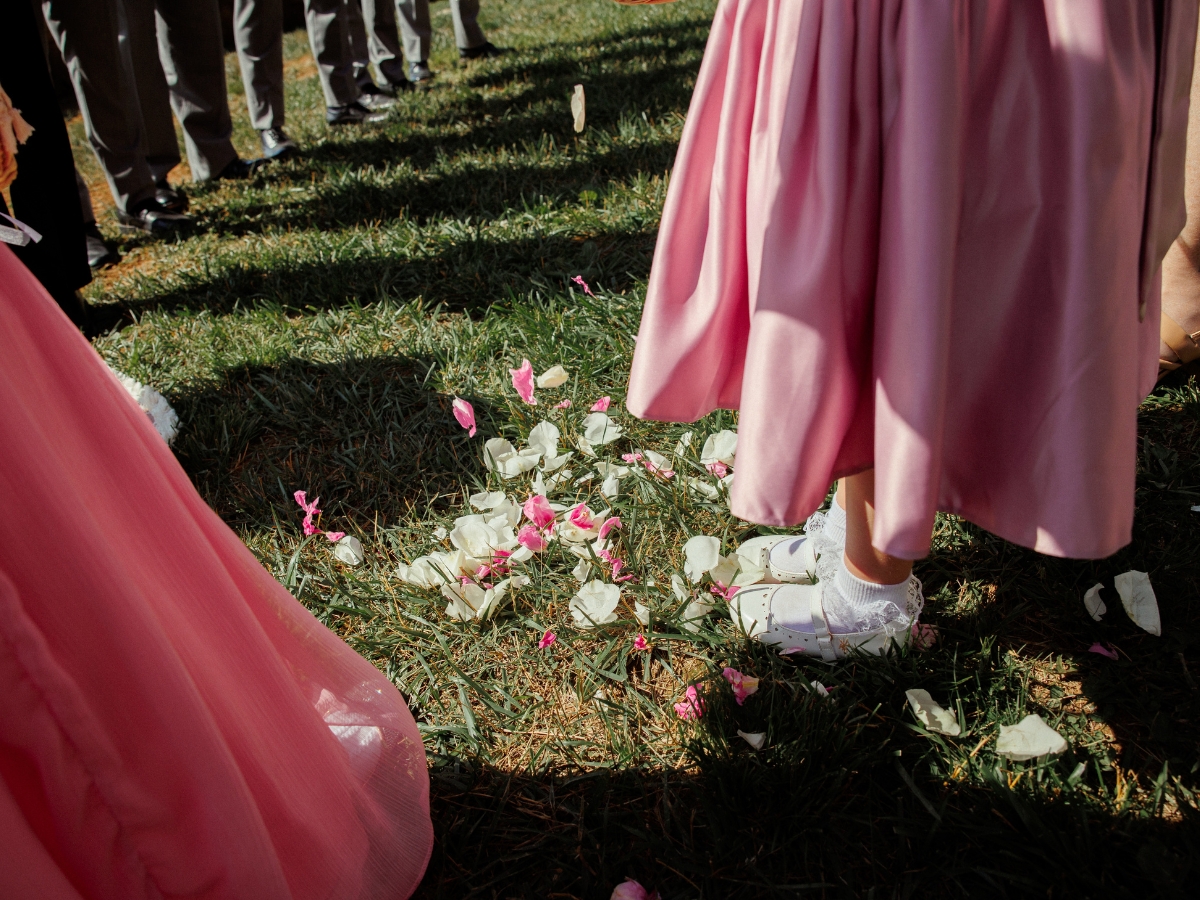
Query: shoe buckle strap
<point>821,627</point>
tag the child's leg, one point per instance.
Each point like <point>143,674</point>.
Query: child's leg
<point>862,560</point>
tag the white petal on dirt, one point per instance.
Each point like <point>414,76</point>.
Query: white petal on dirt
<point>641,612</point>
<point>720,447</point>
<point>440,533</point>
<point>1029,739</point>
<point>475,537</point>
<point>931,715</point>
<point>544,439</point>
<point>582,571</point>
<point>579,109</point>
<point>488,499</point>
<point>678,588</point>
<point>349,550</point>
<point>1137,596</point>
<point>554,463</point>
<point>599,429</point>
<point>555,376</point>
<point>726,570</point>
<point>595,604</point>
<point>584,446</point>
<point>1093,604</point>
<point>611,488</point>
<point>756,739</point>
<point>695,613</point>
<point>702,553</point>
<point>1196,509</point>
<point>463,600</point>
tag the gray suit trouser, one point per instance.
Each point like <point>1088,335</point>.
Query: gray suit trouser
<point>258,34</point>
<point>88,34</point>
<point>179,64</point>
<point>413,18</point>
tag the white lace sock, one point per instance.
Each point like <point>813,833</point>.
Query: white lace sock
<point>853,605</point>
<point>835,524</point>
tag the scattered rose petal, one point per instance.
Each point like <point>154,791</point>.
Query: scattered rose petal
<point>564,404</point>
<point>537,509</point>
<point>1095,607</point>
<point>702,553</point>
<point>582,571</point>
<point>602,404</point>
<point>756,739</point>
<point>465,413</point>
<point>695,611</point>
<point>349,550</point>
<point>720,447</point>
<point>544,439</point>
<point>609,524</point>
<point>1137,596</point>
<point>923,636</point>
<point>582,517</point>
<point>743,685</point>
<point>718,468</point>
<point>820,689</point>
<point>578,279</point>
<point>486,500</point>
<point>532,539</point>
<point>692,706</point>
<point>641,612</point>
<point>547,639</point>
<point>555,376</point>
<point>1029,739</point>
<point>440,533</point>
<point>1102,650</point>
<point>310,510</point>
<point>631,890</point>
<point>610,489</point>
<point>640,642</point>
<point>599,429</point>
<point>932,716</point>
<point>684,442</point>
<point>334,536</point>
<point>522,382</point>
<point>506,460</point>
<point>656,464</point>
<point>595,604</point>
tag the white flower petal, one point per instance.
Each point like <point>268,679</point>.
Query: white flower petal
<point>582,571</point>
<point>720,447</point>
<point>595,604</point>
<point>820,689</point>
<point>440,533</point>
<point>463,600</point>
<point>702,553</point>
<point>488,500</point>
<point>1093,604</point>
<point>521,554</point>
<point>684,442</point>
<point>756,739</point>
<point>477,539</point>
<point>703,488</point>
<point>349,550</point>
<point>694,613</point>
<point>599,429</point>
<point>553,463</point>
<point>642,613</point>
<point>679,588</point>
<point>1029,739</point>
<point>555,376</point>
<point>584,447</point>
<point>931,715</point>
<point>1137,596</point>
<point>611,488</point>
<point>726,570</point>
<point>544,439</point>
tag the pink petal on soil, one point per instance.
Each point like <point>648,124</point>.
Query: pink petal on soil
<point>640,642</point>
<point>301,497</point>
<point>465,413</point>
<point>522,381</point>
<point>566,404</point>
<point>1102,650</point>
<point>692,706</point>
<point>602,404</point>
<point>547,639</point>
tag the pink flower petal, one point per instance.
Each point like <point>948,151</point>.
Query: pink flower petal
<point>529,536</point>
<point>334,536</point>
<point>581,517</point>
<point>631,890</point>
<point>718,468</point>
<point>465,413</point>
<point>578,279</point>
<point>631,458</point>
<point>522,381</point>
<point>743,685</point>
<point>692,706</point>
<point>301,497</point>
<point>547,639</point>
<point>923,636</point>
<point>640,642</point>
<point>537,510</point>
<point>609,525</point>
<point>602,404</point>
<point>566,404</point>
<point>725,593</point>
<point>1102,650</point>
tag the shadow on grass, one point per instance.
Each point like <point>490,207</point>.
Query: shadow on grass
<point>469,274</point>
<point>366,435</point>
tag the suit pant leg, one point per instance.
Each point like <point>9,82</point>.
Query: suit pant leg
<point>193,60</point>
<point>415,31</point>
<point>467,33</point>
<point>139,45</point>
<point>383,39</point>
<point>87,33</point>
<point>258,36</point>
<point>329,36</point>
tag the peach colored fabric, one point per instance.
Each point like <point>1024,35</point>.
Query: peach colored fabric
<point>172,722</point>
<point>909,235</point>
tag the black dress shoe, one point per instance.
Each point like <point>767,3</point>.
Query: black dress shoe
<point>98,253</point>
<point>276,144</point>
<point>351,114</point>
<point>170,198</point>
<point>419,72</point>
<point>486,50</point>
<point>151,217</point>
<point>376,99</point>
<point>238,168</point>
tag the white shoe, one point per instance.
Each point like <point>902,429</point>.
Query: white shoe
<point>785,558</point>
<point>750,609</point>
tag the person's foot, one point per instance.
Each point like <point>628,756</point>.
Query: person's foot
<point>151,217</point>
<point>1181,303</point>
<point>375,98</point>
<point>352,114</point>
<point>99,254</point>
<point>486,50</point>
<point>170,198</point>
<point>276,144</point>
<point>419,72</point>
<point>238,168</point>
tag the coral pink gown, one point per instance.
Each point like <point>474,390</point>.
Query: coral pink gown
<point>172,722</point>
<point>925,237</point>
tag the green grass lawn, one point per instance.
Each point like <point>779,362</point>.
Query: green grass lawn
<point>312,333</point>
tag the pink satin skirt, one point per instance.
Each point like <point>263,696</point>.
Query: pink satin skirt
<point>924,237</point>
<point>172,722</point>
